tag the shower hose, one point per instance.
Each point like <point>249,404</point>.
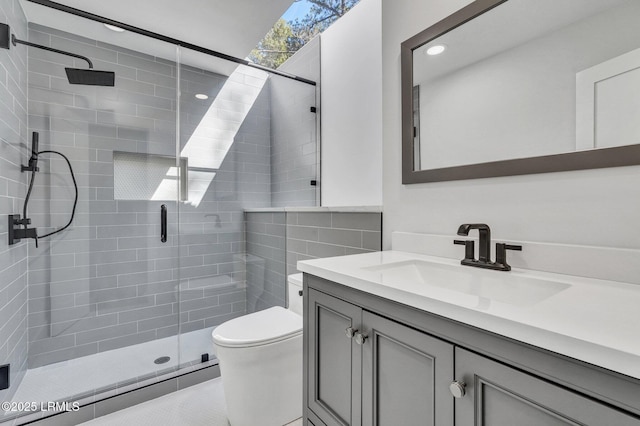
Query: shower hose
<point>75,201</point>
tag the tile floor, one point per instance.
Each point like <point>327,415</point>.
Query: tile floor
<point>199,405</point>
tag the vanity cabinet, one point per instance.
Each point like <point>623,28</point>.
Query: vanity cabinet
<point>364,369</point>
<point>370,361</point>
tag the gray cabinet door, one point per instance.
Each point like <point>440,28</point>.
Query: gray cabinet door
<point>405,376</point>
<point>498,395</point>
<point>334,368</point>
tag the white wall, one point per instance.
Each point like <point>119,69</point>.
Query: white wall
<point>592,207</point>
<point>351,68</point>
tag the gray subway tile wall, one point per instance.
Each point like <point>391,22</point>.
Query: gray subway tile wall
<point>266,260</point>
<point>307,235</point>
<point>108,281</point>
<point>14,151</point>
<point>312,235</point>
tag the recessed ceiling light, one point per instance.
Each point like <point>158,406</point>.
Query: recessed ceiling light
<point>436,50</point>
<point>114,28</point>
<point>202,96</point>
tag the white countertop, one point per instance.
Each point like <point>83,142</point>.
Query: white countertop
<point>592,320</point>
<point>320,209</point>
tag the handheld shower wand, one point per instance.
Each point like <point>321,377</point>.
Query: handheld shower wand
<point>15,232</point>
<point>33,160</point>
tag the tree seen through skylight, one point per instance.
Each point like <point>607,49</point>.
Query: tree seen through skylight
<point>303,20</point>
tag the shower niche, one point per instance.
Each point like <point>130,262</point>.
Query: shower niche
<point>149,177</point>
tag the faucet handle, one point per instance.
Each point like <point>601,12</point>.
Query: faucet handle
<point>501,254</point>
<point>469,248</point>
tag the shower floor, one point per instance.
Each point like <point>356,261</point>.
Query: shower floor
<point>81,376</point>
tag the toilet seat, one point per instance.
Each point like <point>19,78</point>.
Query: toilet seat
<point>259,328</point>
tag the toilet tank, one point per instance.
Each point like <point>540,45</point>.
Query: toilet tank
<point>294,287</point>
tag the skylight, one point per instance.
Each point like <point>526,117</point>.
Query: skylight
<point>300,23</point>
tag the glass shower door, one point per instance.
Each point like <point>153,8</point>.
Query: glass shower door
<point>103,294</point>
<point>249,139</point>
<point>216,138</point>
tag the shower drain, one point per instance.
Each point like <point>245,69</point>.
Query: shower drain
<point>162,360</point>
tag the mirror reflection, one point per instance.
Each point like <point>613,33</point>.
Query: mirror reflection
<point>528,78</point>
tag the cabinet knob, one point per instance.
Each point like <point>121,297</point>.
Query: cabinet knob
<point>360,338</point>
<point>458,389</point>
<point>350,332</point>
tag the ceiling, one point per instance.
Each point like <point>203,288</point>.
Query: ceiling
<point>232,27</point>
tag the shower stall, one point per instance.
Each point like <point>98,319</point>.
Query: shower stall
<point>165,162</point>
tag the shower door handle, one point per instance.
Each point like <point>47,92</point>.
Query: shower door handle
<point>163,223</point>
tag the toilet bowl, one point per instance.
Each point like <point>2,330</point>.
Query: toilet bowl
<point>260,358</point>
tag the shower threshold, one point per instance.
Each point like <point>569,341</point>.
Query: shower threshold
<point>109,373</point>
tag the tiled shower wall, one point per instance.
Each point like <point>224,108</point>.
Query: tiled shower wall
<point>294,153</point>
<point>13,153</point>
<point>108,281</point>
<point>304,235</point>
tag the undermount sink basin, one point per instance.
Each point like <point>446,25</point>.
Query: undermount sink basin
<point>505,287</point>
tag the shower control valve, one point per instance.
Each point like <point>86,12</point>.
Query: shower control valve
<point>17,229</point>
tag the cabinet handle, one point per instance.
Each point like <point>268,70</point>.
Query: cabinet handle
<point>458,389</point>
<point>350,332</point>
<point>361,337</point>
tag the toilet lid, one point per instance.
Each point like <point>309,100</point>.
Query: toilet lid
<point>259,328</point>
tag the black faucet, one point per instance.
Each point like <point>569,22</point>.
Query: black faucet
<point>484,250</point>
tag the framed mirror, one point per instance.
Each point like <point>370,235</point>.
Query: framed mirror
<point>513,87</point>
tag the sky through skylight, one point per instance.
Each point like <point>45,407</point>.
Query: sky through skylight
<point>297,10</point>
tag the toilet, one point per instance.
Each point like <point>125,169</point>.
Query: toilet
<point>260,358</point>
